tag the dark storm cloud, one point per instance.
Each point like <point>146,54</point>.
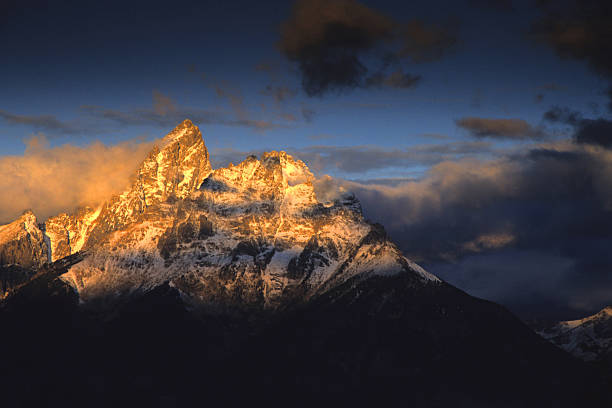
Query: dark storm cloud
<point>579,30</point>
<point>46,123</point>
<point>516,129</point>
<point>586,131</point>
<point>423,43</point>
<point>331,41</point>
<point>552,200</point>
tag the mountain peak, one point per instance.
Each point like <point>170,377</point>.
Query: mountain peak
<point>28,215</point>
<point>185,133</point>
<point>22,243</point>
<point>293,171</point>
<point>589,338</point>
<point>173,169</point>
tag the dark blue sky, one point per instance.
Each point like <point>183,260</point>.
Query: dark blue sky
<point>461,161</point>
<point>62,57</point>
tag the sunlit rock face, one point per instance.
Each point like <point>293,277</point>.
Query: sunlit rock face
<point>252,235</point>
<point>589,339</point>
<point>173,169</point>
<point>22,250</point>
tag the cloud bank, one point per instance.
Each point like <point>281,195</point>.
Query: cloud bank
<point>51,180</point>
<point>547,201</point>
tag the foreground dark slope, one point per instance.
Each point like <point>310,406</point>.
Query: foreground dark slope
<point>383,340</point>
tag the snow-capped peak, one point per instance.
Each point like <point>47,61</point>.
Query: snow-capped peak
<point>22,242</point>
<point>174,168</point>
<point>589,338</point>
<point>248,234</point>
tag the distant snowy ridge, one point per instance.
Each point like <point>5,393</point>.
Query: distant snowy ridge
<point>589,339</point>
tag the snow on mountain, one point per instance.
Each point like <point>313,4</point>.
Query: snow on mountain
<point>589,339</point>
<point>252,234</point>
<point>173,169</point>
<point>21,234</point>
<point>23,248</point>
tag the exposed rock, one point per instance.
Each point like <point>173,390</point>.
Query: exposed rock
<point>171,171</point>
<point>253,235</point>
<point>589,339</point>
<point>22,250</point>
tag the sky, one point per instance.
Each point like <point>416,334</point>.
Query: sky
<point>477,132</point>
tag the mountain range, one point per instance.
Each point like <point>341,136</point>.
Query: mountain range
<point>251,284</point>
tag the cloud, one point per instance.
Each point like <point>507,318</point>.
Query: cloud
<point>551,200</point>
<point>586,131</point>
<point>279,93</point>
<point>423,43</point>
<point>361,159</point>
<point>397,80</point>
<point>235,98</point>
<point>579,30</point>
<point>331,41</point>
<point>307,113</point>
<point>50,180</point>
<point>166,113</point>
<point>162,104</point>
<point>242,116</point>
<point>47,123</point>
<point>515,129</point>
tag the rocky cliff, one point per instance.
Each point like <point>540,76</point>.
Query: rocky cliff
<point>23,249</point>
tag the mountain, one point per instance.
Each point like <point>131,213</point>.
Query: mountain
<point>589,339</point>
<point>22,250</point>
<point>172,170</point>
<point>251,284</point>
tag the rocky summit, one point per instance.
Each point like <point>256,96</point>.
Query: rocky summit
<point>251,284</point>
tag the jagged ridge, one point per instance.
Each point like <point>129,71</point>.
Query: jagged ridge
<point>253,234</point>
<point>589,339</point>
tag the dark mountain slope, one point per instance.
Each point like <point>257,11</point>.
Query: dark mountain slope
<point>382,340</point>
